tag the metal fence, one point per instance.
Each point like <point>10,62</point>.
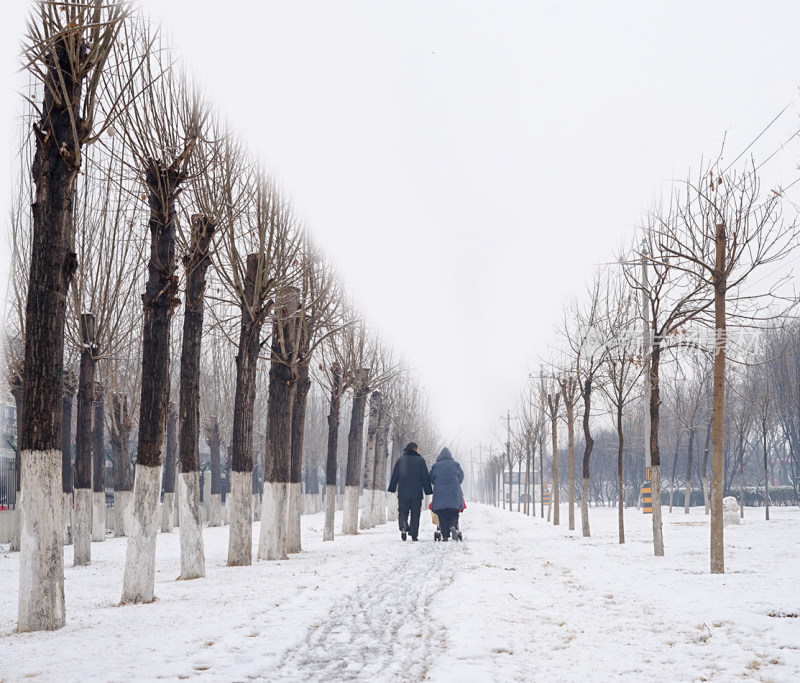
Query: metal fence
<point>8,483</point>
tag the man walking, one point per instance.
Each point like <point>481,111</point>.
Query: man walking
<point>411,480</point>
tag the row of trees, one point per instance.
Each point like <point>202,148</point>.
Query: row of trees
<point>121,138</point>
<point>684,342</point>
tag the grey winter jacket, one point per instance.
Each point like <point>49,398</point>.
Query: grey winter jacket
<point>446,477</point>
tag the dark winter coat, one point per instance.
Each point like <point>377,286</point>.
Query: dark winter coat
<point>446,477</point>
<point>410,477</point>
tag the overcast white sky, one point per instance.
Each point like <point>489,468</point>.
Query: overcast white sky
<point>467,164</point>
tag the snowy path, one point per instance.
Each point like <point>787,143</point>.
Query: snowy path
<point>519,600</point>
<point>380,631</point>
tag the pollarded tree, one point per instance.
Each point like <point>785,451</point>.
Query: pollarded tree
<point>549,396</point>
<point>265,232</point>
<point>318,318</point>
<point>66,50</point>
<point>161,129</point>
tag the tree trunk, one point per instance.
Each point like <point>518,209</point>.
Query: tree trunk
<point>717,555</point>
<point>168,475</point>
<point>704,471</point>
<point>766,474</point>
<point>587,454</point>
<point>240,538</point>
<point>278,454</point>
<point>98,467</point>
<point>674,471</point>
<point>355,451</point>
<point>159,302</point>
<point>66,452</point>
<point>391,498</point>
<point>381,461</point>
<point>215,504</point>
<point>369,461</point>
<point>655,454</point>
<point>620,480</point>
<point>120,449</point>
<point>571,454</point>
<point>82,532</point>
<point>337,389</point>
<point>16,392</point>
<point>554,498</point>
<point>195,263</point>
<point>303,385</point>
<point>687,499</point>
<point>741,475</point>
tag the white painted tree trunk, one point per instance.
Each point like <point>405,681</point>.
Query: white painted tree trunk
<point>66,517</point>
<point>166,513</point>
<point>98,517</point>
<point>240,538</point>
<point>138,583</point>
<point>294,543</point>
<point>330,512</point>
<point>391,507</point>
<point>193,561</point>
<point>41,563</point>
<point>350,518</point>
<point>215,510</point>
<point>82,529</point>
<point>380,498</point>
<point>256,507</point>
<point>123,500</point>
<point>272,539</point>
<point>17,531</point>
<point>366,510</point>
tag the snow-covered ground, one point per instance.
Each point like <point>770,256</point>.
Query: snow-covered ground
<point>518,600</point>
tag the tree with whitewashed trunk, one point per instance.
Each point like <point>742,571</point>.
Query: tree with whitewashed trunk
<point>277,458</point>
<point>67,399</point>
<point>367,510</point>
<point>168,471</point>
<point>66,50</point>
<point>98,466</point>
<point>318,318</point>
<point>121,425</point>
<point>82,529</point>
<point>335,371</point>
<point>161,129</point>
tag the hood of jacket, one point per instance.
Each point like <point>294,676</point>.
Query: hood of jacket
<point>444,455</point>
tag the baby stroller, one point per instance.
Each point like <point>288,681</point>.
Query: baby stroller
<point>455,532</point>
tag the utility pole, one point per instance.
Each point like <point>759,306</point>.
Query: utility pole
<point>508,458</point>
<point>646,348</point>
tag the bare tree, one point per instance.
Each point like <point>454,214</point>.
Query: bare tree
<point>66,49</point>
<point>725,230</point>
<point>161,130</point>
<point>549,395</point>
<point>622,368</point>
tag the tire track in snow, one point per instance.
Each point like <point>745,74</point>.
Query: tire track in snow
<point>382,631</point>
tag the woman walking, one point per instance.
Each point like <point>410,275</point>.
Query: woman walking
<point>448,499</point>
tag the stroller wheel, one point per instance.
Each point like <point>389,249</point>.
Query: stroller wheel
<point>437,536</point>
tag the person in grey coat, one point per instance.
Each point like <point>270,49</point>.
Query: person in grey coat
<point>448,499</point>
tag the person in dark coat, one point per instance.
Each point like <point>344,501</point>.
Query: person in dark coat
<point>448,499</point>
<point>411,480</point>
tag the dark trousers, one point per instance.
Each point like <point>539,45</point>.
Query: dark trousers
<point>448,518</point>
<point>404,506</point>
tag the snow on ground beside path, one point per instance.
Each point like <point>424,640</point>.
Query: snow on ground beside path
<point>518,600</point>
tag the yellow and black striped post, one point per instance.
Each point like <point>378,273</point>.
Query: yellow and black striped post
<point>546,497</point>
<point>647,498</point>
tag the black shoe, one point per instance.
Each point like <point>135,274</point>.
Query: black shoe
<point>413,538</point>
<point>403,535</point>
